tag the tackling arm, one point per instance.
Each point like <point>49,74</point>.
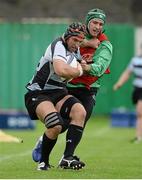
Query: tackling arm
<point>101,60</point>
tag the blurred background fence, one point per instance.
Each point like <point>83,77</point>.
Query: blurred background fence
<point>22,44</point>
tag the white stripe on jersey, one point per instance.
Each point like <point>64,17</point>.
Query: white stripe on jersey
<point>136,67</point>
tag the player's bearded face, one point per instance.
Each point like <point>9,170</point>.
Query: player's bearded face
<point>73,43</point>
<point>95,27</point>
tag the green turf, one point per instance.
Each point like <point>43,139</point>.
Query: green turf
<point>106,151</point>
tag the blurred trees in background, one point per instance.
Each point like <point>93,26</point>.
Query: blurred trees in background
<point>118,11</point>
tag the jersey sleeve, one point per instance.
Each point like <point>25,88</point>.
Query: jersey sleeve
<point>101,59</point>
<point>59,52</point>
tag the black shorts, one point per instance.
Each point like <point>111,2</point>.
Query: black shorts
<point>34,98</point>
<point>136,95</point>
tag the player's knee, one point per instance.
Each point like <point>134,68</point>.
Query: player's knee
<point>73,110</point>
<point>67,106</point>
<point>78,113</point>
<point>139,114</point>
<point>54,121</point>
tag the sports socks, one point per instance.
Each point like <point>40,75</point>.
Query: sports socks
<point>47,146</point>
<point>73,138</point>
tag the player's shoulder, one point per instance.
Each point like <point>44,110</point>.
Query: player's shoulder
<point>104,40</point>
<point>136,59</point>
<point>107,45</point>
<point>103,37</point>
<point>58,44</point>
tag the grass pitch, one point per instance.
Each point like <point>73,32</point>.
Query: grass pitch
<point>106,151</point>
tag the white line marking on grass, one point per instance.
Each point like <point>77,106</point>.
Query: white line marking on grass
<point>15,155</point>
<point>97,133</point>
<point>102,131</point>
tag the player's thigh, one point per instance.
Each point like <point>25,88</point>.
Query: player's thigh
<point>139,107</point>
<point>39,104</point>
<point>61,102</point>
<point>44,108</point>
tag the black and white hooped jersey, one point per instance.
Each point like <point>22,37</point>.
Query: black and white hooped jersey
<point>45,76</point>
<point>136,67</point>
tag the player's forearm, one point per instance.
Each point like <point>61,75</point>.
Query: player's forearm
<point>69,72</point>
<point>93,43</point>
<point>123,78</point>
